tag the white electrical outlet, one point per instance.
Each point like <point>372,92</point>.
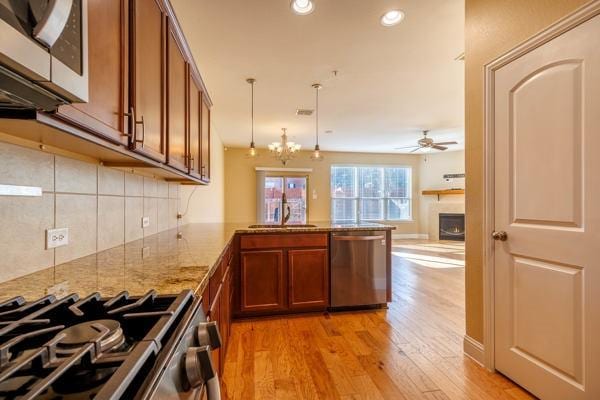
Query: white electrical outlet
<point>59,290</point>
<point>57,237</point>
<point>145,222</point>
<point>145,252</point>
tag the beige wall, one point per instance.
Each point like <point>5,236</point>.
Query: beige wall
<point>240,178</point>
<point>433,168</point>
<point>492,28</point>
<point>207,203</point>
<point>102,208</point>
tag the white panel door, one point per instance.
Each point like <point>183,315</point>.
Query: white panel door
<point>547,201</point>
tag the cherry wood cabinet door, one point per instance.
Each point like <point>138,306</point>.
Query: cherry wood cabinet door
<point>215,315</point>
<point>225,326</point>
<point>205,143</point>
<point>194,121</point>
<point>308,279</point>
<point>262,281</point>
<point>147,56</point>
<point>104,113</point>
<point>177,146</point>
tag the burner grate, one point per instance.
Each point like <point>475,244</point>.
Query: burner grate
<point>101,344</point>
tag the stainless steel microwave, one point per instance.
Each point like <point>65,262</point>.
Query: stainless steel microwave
<point>43,53</point>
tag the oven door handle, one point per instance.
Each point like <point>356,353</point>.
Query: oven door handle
<point>49,29</point>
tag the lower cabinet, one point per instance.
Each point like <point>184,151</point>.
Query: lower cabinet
<point>283,273</point>
<point>308,279</point>
<point>216,303</point>
<point>215,315</point>
<point>263,284</point>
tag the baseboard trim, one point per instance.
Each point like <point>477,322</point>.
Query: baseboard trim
<point>410,236</point>
<point>473,349</point>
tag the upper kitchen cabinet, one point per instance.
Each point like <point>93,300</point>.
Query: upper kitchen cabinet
<point>147,93</point>
<point>205,142</point>
<point>177,99</point>
<point>195,122</point>
<point>147,104</point>
<point>104,113</point>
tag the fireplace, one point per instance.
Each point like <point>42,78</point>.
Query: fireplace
<point>452,227</point>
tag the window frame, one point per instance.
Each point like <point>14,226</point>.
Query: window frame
<point>385,199</point>
<point>285,177</point>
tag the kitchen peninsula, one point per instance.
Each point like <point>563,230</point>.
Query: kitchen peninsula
<point>162,262</point>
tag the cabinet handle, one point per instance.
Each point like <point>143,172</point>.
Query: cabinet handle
<point>133,127</point>
<point>140,122</point>
<point>131,117</point>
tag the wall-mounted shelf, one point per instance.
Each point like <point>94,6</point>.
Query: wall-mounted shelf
<point>442,192</point>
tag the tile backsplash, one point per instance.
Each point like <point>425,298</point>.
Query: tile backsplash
<point>102,207</point>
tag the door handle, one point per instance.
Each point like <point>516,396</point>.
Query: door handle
<point>500,235</point>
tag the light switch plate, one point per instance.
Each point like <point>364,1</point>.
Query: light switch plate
<point>57,237</point>
<point>145,222</point>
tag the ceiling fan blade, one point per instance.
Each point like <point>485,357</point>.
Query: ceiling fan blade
<point>405,147</point>
<point>445,143</point>
<point>416,149</point>
<point>438,147</point>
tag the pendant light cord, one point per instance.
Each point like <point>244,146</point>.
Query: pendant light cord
<point>317,115</point>
<point>252,110</point>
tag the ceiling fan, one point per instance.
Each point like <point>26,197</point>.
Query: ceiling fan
<point>427,143</point>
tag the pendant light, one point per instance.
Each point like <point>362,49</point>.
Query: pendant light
<point>316,154</point>
<point>252,152</point>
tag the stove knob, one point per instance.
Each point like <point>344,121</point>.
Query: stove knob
<point>198,366</point>
<point>208,334</point>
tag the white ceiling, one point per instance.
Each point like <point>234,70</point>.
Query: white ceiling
<point>391,82</point>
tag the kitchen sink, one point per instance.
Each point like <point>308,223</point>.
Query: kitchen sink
<point>272,226</point>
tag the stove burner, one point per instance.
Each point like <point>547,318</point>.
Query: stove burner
<point>78,335</point>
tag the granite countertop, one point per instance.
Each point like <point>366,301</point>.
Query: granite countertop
<point>162,262</point>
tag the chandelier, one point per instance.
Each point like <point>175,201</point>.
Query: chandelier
<point>284,150</point>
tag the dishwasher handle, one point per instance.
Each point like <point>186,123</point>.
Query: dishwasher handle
<point>358,238</point>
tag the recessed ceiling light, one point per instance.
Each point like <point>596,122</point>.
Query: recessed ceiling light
<point>302,7</point>
<point>392,18</point>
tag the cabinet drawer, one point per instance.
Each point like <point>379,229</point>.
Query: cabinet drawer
<point>283,240</point>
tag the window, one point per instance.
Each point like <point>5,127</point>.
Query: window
<point>295,192</point>
<point>370,193</point>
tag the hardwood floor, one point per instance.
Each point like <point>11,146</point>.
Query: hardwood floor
<point>413,350</point>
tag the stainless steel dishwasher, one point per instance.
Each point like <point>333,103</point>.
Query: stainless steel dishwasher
<point>358,268</point>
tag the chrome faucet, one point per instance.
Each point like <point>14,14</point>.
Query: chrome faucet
<point>284,205</point>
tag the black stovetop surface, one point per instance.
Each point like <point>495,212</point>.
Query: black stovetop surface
<point>84,348</point>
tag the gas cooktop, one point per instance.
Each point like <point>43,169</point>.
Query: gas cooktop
<point>92,347</point>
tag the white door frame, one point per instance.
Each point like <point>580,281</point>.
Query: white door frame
<point>563,25</point>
